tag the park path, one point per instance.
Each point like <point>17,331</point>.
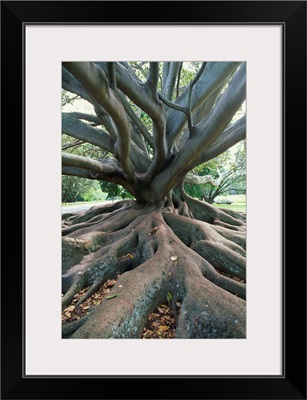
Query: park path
<point>80,207</point>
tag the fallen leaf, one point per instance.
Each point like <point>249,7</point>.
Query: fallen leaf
<point>111,282</point>
<point>164,327</point>
<point>114,295</point>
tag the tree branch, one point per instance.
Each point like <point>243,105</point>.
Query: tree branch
<point>83,131</point>
<point>111,75</point>
<point>103,166</point>
<point>86,117</point>
<point>70,83</point>
<point>90,174</point>
<point>211,78</point>
<point>209,130</point>
<point>145,96</point>
<point>213,128</point>
<point>169,79</point>
<point>74,144</point>
<point>231,136</point>
<point>138,123</point>
<point>178,80</point>
<point>153,77</point>
<point>201,180</point>
<point>185,110</point>
<point>80,172</point>
<point>173,105</point>
<point>189,104</point>
<point>207,106</point>
<point>95,81</point>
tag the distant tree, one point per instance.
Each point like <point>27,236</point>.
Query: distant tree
<point>77,189</point>
<point>114,191</point>
<point>227,173</point>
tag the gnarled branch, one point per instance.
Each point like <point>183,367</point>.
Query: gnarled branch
<point>95,81</point>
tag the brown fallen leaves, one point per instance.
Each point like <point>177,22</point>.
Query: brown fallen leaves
<point>160,325</point>
<point>161,322</point>
<point>72,313</point>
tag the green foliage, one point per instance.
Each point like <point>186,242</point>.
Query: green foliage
<point>94,192</point>
<point>76,188</point>
<point>114,191</point>
<point>169,297</point>
<point>196,191</point>
<point>67,98</point>
<point>79,189</point>
<point>232,164</point>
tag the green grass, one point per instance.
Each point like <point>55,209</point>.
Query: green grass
<point>236,207</point>
<point>86,202</point>
<point>239,203</point>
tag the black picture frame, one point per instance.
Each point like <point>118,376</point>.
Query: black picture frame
<point>292,16</point>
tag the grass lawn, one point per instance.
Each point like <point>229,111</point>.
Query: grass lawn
<point>94,202</point>
<point>239,203</point>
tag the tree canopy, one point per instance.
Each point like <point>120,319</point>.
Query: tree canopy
<point>154,127</point>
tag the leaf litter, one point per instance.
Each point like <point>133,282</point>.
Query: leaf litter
<point>161,322</point>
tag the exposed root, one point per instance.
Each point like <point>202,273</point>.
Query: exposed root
<point>111,222</point>
<point>208,213</point>
<point>236,237</point>
<point>235,214</point>
<point>69,328</point>
<point>124,312</point>
<point>232,286</point>
<point>92,290</point>
<point>210,312</point>
<point>77,285</point>
<point>186,248</point>
<point>84,216</point>
<point>222,258</point>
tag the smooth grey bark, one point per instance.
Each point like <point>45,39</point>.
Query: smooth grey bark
<point>184,132</point>
<point>170,79</point>
<point>80,130</point>
<point>212,77</point>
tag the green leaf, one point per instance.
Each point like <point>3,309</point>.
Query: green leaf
<point>169,296</point>
<point>114,295</point>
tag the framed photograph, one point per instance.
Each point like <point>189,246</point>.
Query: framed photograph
<point>250,341</point>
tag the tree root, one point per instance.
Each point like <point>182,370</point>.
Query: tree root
<point>158,250</point>
<point>210,312</point>
<point>77,285</point>
<point>123,314</point>
<point>69,328</point>
<point>92,290</point>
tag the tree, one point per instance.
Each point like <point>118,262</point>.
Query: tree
<point>227,174</point>
<point>73,187</point>
<point>114,191</point>
<point>163,242</point>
